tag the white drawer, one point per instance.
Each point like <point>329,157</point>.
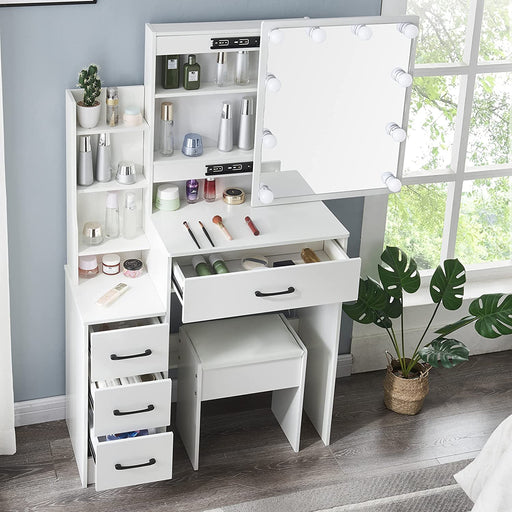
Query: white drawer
<point>131,407</point>
<point>137,460</point>
<point>334,279</point>
<point>129,351</point>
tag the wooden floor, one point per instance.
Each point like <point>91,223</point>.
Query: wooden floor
<point>245,456</point>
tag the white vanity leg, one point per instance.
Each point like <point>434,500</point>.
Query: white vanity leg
<point>188,415</point>
<point>319,330</point>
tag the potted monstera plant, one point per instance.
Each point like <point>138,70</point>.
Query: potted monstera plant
<point>381,303</point>
<point>88,109</point>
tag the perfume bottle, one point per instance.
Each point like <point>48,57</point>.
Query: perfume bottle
<point>112,99</point>
<point>192,190</point>
<point>130,216</point>
<point>112,216</point>
<point>246,130</point>
<point>171,72</point>
<point>209,191</point>
<point>191,73</point>
<point>225,139</point>
<point>103,159</point>
<point>85,172</point>
<point>166,129</point>
<point>242,68</point>
<point>222,69</point>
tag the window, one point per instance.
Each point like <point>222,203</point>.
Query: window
<point>456,198</point>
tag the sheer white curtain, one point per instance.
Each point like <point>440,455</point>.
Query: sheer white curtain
<point>7,439</point>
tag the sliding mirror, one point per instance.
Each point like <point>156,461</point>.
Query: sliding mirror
<point>332,107</point>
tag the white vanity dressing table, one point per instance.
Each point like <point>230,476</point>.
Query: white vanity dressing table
<point>337,96</point>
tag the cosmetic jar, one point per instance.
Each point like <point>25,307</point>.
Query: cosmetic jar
<point>87,266</point>
<point>233,196</point>
<point>126,173</point>
<point>217,263</point>
<point>132,268</point>
<point>167,197</point>
<point>192,145</point>
<point>111,264</point>
<point>92,233</point>
<point>200,266</point>
<point>132,116</point>
<point>254,262</point>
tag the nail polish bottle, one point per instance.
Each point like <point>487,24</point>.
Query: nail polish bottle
<point>192,191</point>
<point>225,140</point>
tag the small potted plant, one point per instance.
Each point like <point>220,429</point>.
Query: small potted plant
<point>406,380</point>
<point>88,110</point>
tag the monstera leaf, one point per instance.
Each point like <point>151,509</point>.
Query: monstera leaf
<point>448,285</point>
<point>370,304</point>
<point>493,315</point>
<point>402,274</point>
<point>444,352</point>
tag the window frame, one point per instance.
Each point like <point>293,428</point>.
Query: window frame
<point>373,232</point>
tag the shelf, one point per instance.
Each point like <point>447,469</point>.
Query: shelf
<point>103,127</point>
<point>112,185</point>
<point>140,300</point>
<point>206,89</point>
<point>180,167</point>
<point>117,245</point>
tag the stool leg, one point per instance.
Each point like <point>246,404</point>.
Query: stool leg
<point>287,407</point>
<point>188,412</point>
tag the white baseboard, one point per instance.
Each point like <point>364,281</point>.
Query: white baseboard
<point>40,410</point>
<point>54,407</point>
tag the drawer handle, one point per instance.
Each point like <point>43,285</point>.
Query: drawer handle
<point>150,462</point>
<point>149,408</point>
<point>291,289</point>
<point>146,352</point>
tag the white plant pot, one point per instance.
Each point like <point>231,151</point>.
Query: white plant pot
<point>88,117</point>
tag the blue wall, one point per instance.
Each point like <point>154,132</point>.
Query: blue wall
<point>43,48</point>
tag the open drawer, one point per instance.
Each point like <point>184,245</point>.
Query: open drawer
<point>243,292</point>
<point>136,460</point>
<point>122,349</point>
<point>130,407</point>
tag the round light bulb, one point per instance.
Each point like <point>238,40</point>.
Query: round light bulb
<point>269,139</point>
<point>394,184</point>
<point>363,32</point>
<point>265,195</point>
<point>276,36</point>
<point>272,83</point>
<point>397,133</point>
<point>318,34</point>
<point>409,30</point>
<point>401,77</point>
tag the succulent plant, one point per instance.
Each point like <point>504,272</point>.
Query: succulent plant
<point>90,82</point>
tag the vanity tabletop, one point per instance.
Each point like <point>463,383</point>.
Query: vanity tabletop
<point>278,225</point>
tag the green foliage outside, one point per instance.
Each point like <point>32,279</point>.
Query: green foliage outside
<point>416,215</point>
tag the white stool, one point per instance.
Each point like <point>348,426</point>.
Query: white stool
<point>240,356</point>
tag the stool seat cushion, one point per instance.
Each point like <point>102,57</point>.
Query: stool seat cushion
<point>242,340</point>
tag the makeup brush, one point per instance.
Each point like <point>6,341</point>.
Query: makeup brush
<point>185,223</point>
<point>206,233</point>
<point>218,220</point>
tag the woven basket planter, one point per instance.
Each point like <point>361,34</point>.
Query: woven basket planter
<point>405,396</point>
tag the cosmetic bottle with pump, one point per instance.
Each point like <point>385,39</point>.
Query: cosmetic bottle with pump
<point>222,69</point>
<point>166,129</point>
<point>130,216</point>
<point>191,74</point>
<point>225,140</point>
<point>112,216</point>
<point>103,159</point>
<point>85,171</point>
<point>246,131</point>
